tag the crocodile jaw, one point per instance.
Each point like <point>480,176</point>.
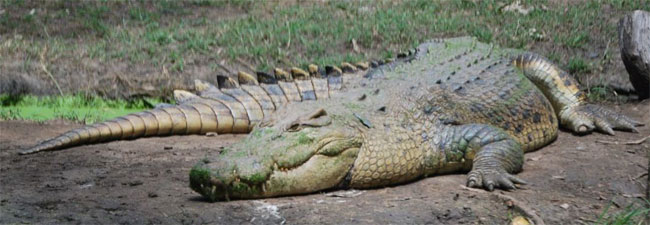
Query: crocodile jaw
<point>279,164</point>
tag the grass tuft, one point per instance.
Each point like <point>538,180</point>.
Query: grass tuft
<point>79,108</point>
<point>577,65</point>
<point>632,214</point>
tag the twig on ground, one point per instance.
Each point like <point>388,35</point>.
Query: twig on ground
<point>44,68</point>
<point>641,175</point>
<point>587,219</point>
<point>632,142</point>
<point>519,206</point>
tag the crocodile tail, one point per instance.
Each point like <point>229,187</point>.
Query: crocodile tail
<point>235,107</point>
<point>195,117</point>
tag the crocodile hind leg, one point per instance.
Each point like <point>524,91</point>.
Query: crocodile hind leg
<point>568,101</point>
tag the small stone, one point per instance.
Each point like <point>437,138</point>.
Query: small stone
<point>558,177</point>
<point>534,158</point>
<point>519,220</point>
<point>152,194</point>
<point>211,134</point>
<point>564,206</point>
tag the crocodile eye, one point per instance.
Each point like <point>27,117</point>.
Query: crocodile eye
<point>318,118</point>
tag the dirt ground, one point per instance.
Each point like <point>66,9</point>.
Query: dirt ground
<point>145,181</point>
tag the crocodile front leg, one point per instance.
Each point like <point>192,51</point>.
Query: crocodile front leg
<point>568,101</point>
<point>389,158</point>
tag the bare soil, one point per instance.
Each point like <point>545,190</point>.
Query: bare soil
<point>145,181</point>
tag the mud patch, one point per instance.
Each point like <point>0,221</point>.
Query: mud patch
<point>146,181</point>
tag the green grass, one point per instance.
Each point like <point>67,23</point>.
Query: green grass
<point>178,36</point>
<point>163,33</point>
<point>632,214</point>
<point>80,108</point>
<point>578,65</point>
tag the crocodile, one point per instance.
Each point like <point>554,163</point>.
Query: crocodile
<point>447,106</point>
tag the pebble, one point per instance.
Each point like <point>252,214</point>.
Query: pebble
<point>152,194</point>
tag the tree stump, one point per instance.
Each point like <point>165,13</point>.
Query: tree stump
<point>634,40</point>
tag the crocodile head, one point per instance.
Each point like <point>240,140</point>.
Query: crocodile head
<point>291,155</point>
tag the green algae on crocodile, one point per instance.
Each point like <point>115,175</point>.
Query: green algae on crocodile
<point>451,105</point>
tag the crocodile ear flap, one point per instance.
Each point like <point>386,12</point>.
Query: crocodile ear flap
<point>318,118</point>
<point>182,96</point>
<point>266,78</point>
<point>282,75</point>
<point>226,82</point>
<point>247,78</point>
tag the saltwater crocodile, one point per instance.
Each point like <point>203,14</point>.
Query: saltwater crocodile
<point>449,105</point>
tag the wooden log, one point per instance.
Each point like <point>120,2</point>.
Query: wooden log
<point>634,40</point>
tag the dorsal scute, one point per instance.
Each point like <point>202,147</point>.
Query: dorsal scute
<point>266,78</point>
<point>181,96</point>
<point>202,86</point>
<point>299,74</point>
<point>247,78</point>
<point>282,75</point>
<point>226,82</point>
<point>333,71</point>
<point>362,65</point>
<point>316,71</point>
<point>348,68</point>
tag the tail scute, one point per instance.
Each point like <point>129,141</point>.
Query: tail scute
<point>191,118</point>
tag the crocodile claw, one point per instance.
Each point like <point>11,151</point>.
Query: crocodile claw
<point>586,118</point>
<point>493,178</point>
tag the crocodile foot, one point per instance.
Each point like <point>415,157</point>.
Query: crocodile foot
<point>585,118</point>
<point>490,178</point>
